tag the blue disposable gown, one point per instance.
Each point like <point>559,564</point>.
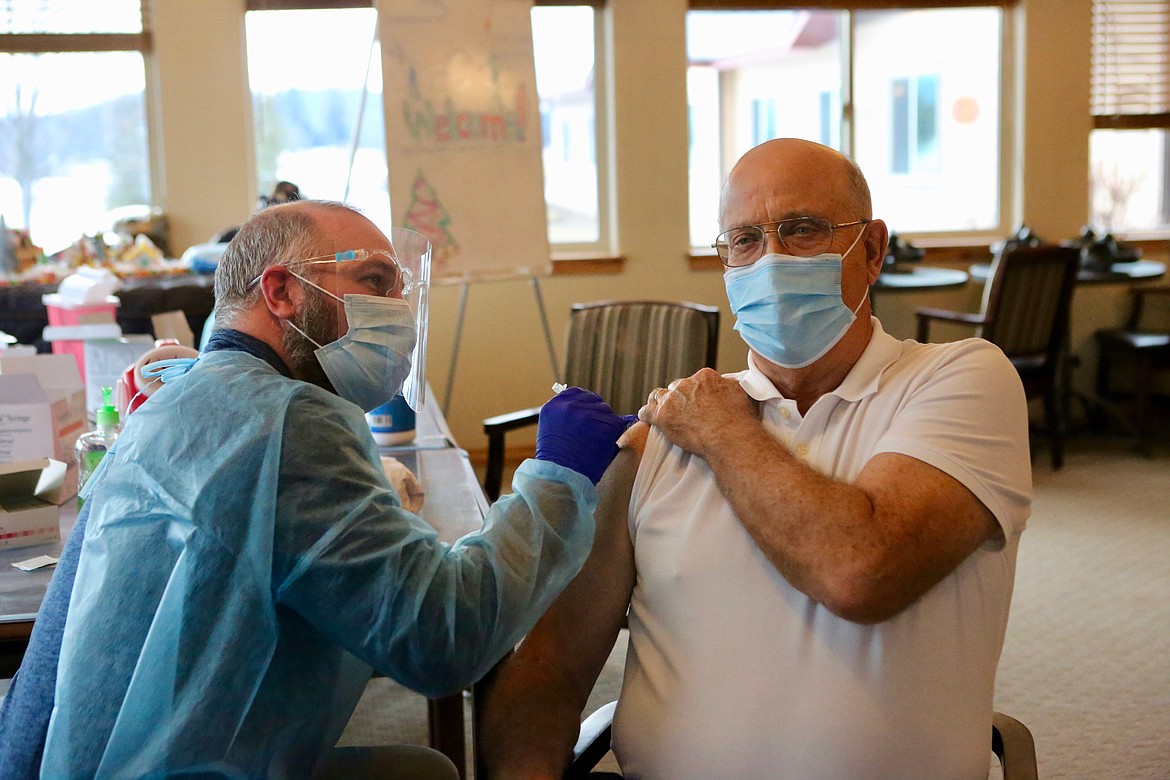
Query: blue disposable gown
<point>245,565</point>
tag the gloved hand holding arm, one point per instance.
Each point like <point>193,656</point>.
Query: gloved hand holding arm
<point>578,430</point>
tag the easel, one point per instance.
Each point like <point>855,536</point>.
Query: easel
<point>465,285</point>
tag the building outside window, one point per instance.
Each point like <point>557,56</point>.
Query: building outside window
<point>829,119</point>
<point>74,152</point>
<point>763,119</point>
<point>914,125</point>
<point>923,121</point>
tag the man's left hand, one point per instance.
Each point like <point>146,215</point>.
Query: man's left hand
<point>699,411</point>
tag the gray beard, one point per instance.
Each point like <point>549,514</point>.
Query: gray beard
<point>318,319</point>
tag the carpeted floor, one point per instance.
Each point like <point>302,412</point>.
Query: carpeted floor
<point>1086,663</point>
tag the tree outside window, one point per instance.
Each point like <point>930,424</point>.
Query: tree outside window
<point>73,144</point>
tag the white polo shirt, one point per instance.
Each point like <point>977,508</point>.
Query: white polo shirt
<point>733,673</point>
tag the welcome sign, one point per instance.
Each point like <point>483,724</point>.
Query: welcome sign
<point>449,124</point>
<point>463,137</point>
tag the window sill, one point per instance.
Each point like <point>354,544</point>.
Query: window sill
<point>586,263</point>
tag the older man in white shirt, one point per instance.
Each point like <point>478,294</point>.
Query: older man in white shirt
<point>818,552</point>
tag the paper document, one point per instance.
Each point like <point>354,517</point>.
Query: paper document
<point>39,562</point>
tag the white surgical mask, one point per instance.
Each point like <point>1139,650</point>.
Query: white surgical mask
<point>368,365</point>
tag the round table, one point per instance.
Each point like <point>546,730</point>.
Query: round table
<point>921,278</point>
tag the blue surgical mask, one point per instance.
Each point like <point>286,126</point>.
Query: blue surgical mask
<point>368,365</point>
<point>788,309</point>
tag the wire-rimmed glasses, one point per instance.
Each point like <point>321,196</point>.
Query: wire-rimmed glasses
<point>800,236</point>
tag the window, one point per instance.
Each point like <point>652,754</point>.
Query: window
<point>829,116</point>
<point>566,81</point>
<point>914,130</point>
<point>73,138</point>
<point>1129,147</point>
<point>923,121</point>
<point>764,120</point>
<point>308,107</point>
<point>317,110</point>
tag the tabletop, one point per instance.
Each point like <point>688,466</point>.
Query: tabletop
<point>920,277</point>
<point>22,312</point>
<point>1134,271</point>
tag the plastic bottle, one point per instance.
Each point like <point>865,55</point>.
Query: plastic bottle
<point>91,447</point>
<point>392,423</point>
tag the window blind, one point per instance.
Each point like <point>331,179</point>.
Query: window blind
<point>33,26</point>
<point>1131,64</point>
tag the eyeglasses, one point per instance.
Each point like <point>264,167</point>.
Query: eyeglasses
<point>800,236</point>
<point>375,269</point>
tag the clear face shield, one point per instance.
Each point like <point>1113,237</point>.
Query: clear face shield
<point>366,312</point>
<point>414,255</point>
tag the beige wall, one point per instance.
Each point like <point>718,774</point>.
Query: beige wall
<point>201,116</point>
<point>1052,98</point>
<point>503,365</point>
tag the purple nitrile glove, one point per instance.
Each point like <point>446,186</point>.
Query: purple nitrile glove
<point>578,430</point>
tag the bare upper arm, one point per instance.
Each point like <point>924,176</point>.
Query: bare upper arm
<point>578,631</point>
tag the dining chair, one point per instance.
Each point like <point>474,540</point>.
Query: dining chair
<point>1025,312</point>
<point>1145,347</point>
<point>620,350</point>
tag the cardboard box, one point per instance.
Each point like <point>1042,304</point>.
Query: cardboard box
<point>29,492</point>
<point>64,396</point>
<point>26,419</point>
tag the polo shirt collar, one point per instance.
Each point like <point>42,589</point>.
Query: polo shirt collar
<point>862,380</point>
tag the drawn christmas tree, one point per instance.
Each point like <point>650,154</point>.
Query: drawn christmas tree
<point>427,216</point>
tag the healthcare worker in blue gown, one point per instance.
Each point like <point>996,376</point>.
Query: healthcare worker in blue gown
<point>245,563</point>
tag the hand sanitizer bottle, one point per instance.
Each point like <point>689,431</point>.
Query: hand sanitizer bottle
<point>91,447</point>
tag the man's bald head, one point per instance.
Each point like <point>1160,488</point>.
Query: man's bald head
<point>796,168</point>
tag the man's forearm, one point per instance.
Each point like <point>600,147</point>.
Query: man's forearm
<point>865,550</point>
<point>800,519</point>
